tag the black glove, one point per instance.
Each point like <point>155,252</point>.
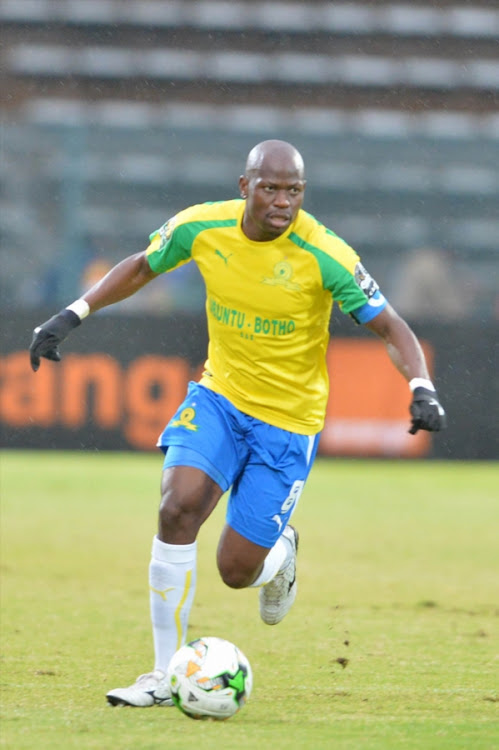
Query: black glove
<point>426,411</point>
<point>48,336</point>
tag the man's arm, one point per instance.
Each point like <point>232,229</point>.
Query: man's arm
<point>407,355</point>
<point>121,282</point>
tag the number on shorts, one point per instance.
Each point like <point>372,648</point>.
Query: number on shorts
<point>293,496</point>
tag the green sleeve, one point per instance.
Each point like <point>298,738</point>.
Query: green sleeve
<point>170,246</point>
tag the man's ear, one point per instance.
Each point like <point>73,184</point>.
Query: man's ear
<point>243,186</point>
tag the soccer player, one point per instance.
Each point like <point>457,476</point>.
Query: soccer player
<point>252,422</point>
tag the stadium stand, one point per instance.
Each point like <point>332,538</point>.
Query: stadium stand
<point>118,113</point>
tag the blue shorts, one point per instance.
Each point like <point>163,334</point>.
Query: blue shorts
<point>266,467</point>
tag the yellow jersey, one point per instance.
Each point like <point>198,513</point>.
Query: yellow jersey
<point>268,307</point>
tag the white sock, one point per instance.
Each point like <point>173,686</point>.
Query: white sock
<point>172,582</point>
<point>277,559</point>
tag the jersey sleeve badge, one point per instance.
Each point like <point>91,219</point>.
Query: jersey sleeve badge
<point>376,301</point>
<point>159,238</point>
<point>165,232</point>
<point>365,281</point>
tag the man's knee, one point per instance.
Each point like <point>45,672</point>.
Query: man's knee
<point>173,512</point>
<point>237,578</point>
<point>239,560</point>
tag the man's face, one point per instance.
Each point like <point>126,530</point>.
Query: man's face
<point>273,199</point>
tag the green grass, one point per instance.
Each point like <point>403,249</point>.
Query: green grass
<point>392,643</point>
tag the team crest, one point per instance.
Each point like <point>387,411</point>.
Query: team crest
<point>283,271</point>
<point>186,419</point>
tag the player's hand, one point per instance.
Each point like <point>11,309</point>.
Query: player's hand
<point>426,411</point>
<point>48,336</point>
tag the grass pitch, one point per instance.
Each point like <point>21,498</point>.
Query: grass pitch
<point>392,642</point>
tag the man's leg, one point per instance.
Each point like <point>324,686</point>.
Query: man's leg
<point>172,584</point>
<point>243,563</point>
<point>278,594</point>
<point>240,564</point>
<point>188,498</point>
<point>258,546</point>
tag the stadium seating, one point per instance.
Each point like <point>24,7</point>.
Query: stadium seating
<point>120,114</point>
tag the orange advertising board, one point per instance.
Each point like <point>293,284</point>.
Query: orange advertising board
<point>368,408</point>
<point>367,413</point>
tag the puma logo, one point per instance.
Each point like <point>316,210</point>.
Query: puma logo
<point>162,592</point>
<point>225,258</point>
<point>278,521</point>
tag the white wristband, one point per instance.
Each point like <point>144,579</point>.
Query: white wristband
<point>79,307</point>
<point>421,383</point>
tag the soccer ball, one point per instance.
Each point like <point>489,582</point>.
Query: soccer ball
<point>209,678</point>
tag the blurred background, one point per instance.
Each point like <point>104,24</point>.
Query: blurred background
<point>118,113</point>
